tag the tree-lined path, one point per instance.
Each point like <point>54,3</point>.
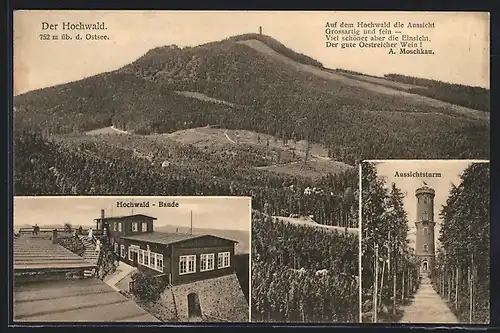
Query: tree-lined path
<point>428,307</point>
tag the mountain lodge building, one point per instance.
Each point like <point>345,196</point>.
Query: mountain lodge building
<point>182,258</point>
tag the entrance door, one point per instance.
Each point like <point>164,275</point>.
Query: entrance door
<point>425,266</point>
<point>134,259</point>
<point>194,308</point>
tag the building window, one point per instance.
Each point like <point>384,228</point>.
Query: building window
<point>223,260</point>
<point>135,226</point>
<point>122,251</point>
<point>141,257</point>
<point>116,248</point>
<point>119,227</point>
<point>114,226</point>
<point>144,227</point>
<point>151,260</point>
<point>131,250</point>
<point>426,248</point>
<point>187,264</point>
<point>207,262</point>
<point>159,262</point>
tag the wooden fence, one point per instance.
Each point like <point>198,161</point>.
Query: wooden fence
<point>84,231</point>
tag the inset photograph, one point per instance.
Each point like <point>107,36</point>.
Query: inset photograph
<point>131,259</point>
<point>305,255</point>
<point>425,241</point>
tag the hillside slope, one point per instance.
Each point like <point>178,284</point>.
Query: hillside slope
<point>245,85</point>
<point>367,83</point>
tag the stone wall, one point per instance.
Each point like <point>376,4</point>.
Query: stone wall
<point>221,299</point>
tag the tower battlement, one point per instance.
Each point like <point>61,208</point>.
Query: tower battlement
<point>425,190</point>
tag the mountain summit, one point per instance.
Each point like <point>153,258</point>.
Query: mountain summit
<point>255,83</point>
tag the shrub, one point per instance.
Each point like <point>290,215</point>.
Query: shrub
<point>146,287</point>
<point>73,244</point>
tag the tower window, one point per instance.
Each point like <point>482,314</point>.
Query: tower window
<point>426,231</point>
<point>426,248</point>
<point>424,216</point>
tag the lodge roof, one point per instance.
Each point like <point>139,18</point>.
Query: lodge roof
<point>38,253</point>
<point>86,300</point>
<point>166,238</point>
<point>125,217</point>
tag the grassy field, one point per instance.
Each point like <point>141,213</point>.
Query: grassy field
<point>379,80</point>
<point>203,97</point>
<point>202,135</point>
<point>220,141</point>
<point>307,221</point>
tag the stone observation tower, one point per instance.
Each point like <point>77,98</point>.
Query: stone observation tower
<point>424,245</point>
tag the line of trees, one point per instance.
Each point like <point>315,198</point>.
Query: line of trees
<point>390,270</point>
<point>471,97</point>
<point>461,274</point>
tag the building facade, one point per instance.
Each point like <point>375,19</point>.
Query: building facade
<point>182,258</point>
<point>424,244</point>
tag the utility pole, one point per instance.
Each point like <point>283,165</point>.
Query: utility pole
<point>191,230</point>
<point>308,148</point>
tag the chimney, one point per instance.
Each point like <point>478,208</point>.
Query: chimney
<point>54,236</point>
<point>102,214</point>
<point>260,30</point>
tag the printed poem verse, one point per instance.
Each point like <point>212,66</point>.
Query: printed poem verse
<point>406,38</point>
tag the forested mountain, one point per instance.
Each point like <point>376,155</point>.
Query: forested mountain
<point>230,85</point>
<point>263,94</point>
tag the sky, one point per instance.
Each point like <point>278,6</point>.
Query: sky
<point>450,173</point>
<point>228,213</point>
<point>460,41</point>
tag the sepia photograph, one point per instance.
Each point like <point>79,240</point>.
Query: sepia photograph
<point>425,241</point>
<point>131,259</point>
<point>279,106</point>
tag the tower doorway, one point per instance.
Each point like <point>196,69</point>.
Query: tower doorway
<point>425,266</point>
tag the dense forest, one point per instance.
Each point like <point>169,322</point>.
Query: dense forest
<point>390,270</point>
<point>89,167</point>
<point>304,274</point>
<point>260,94</point>
<point>462,270</point>
<point>476,98</point>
